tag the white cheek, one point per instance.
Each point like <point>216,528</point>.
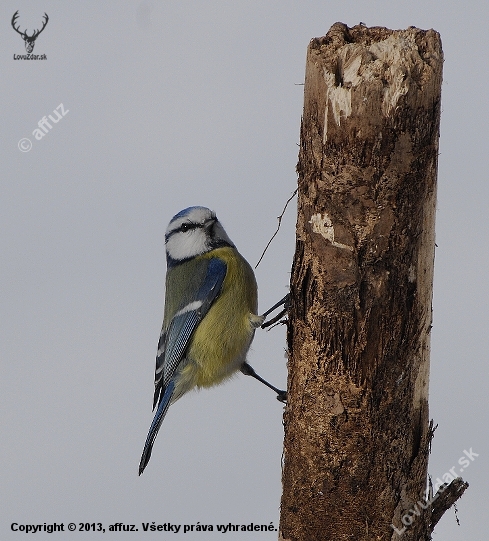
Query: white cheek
<point>187,244</point>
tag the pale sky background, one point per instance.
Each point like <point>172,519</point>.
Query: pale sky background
<point>183,103</point>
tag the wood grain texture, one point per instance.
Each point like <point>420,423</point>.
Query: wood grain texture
<point>356,423</point>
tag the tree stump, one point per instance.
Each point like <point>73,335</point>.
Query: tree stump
<point>357,430</point>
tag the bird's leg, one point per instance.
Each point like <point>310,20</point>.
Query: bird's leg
<point>257,321</point>
<point>247,370</point>
<point>283,302</point>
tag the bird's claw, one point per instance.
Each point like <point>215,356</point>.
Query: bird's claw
<point>282,397</point>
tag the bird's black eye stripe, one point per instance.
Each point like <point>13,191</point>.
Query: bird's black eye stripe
<point>187,226</point>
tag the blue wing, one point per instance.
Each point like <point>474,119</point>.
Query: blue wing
<point>173,344</point>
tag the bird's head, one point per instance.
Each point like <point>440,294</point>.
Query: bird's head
<point>192,232</point>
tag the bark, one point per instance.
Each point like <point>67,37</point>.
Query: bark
<point>356,423</point>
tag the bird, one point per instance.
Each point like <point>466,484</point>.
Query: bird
<point>210,314</point>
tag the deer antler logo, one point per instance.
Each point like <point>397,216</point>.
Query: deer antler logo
<point>29,40</point>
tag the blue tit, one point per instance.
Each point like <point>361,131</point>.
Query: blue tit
<point>210,314</point>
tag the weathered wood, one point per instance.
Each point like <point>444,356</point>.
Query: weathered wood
<point>356,422</point>
<point>445,498</point>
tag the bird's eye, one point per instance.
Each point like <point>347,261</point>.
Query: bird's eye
<point>186,227</point>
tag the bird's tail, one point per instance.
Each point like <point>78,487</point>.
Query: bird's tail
<point>155,425</point>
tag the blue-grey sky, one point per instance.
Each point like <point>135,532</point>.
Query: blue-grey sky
<point>171,104</point>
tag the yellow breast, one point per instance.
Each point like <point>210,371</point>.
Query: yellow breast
<point>221,341</point>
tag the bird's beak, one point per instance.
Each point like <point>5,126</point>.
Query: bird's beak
<point>209,224</point>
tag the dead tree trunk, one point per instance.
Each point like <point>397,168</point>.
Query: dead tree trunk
<point>357,430</point>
